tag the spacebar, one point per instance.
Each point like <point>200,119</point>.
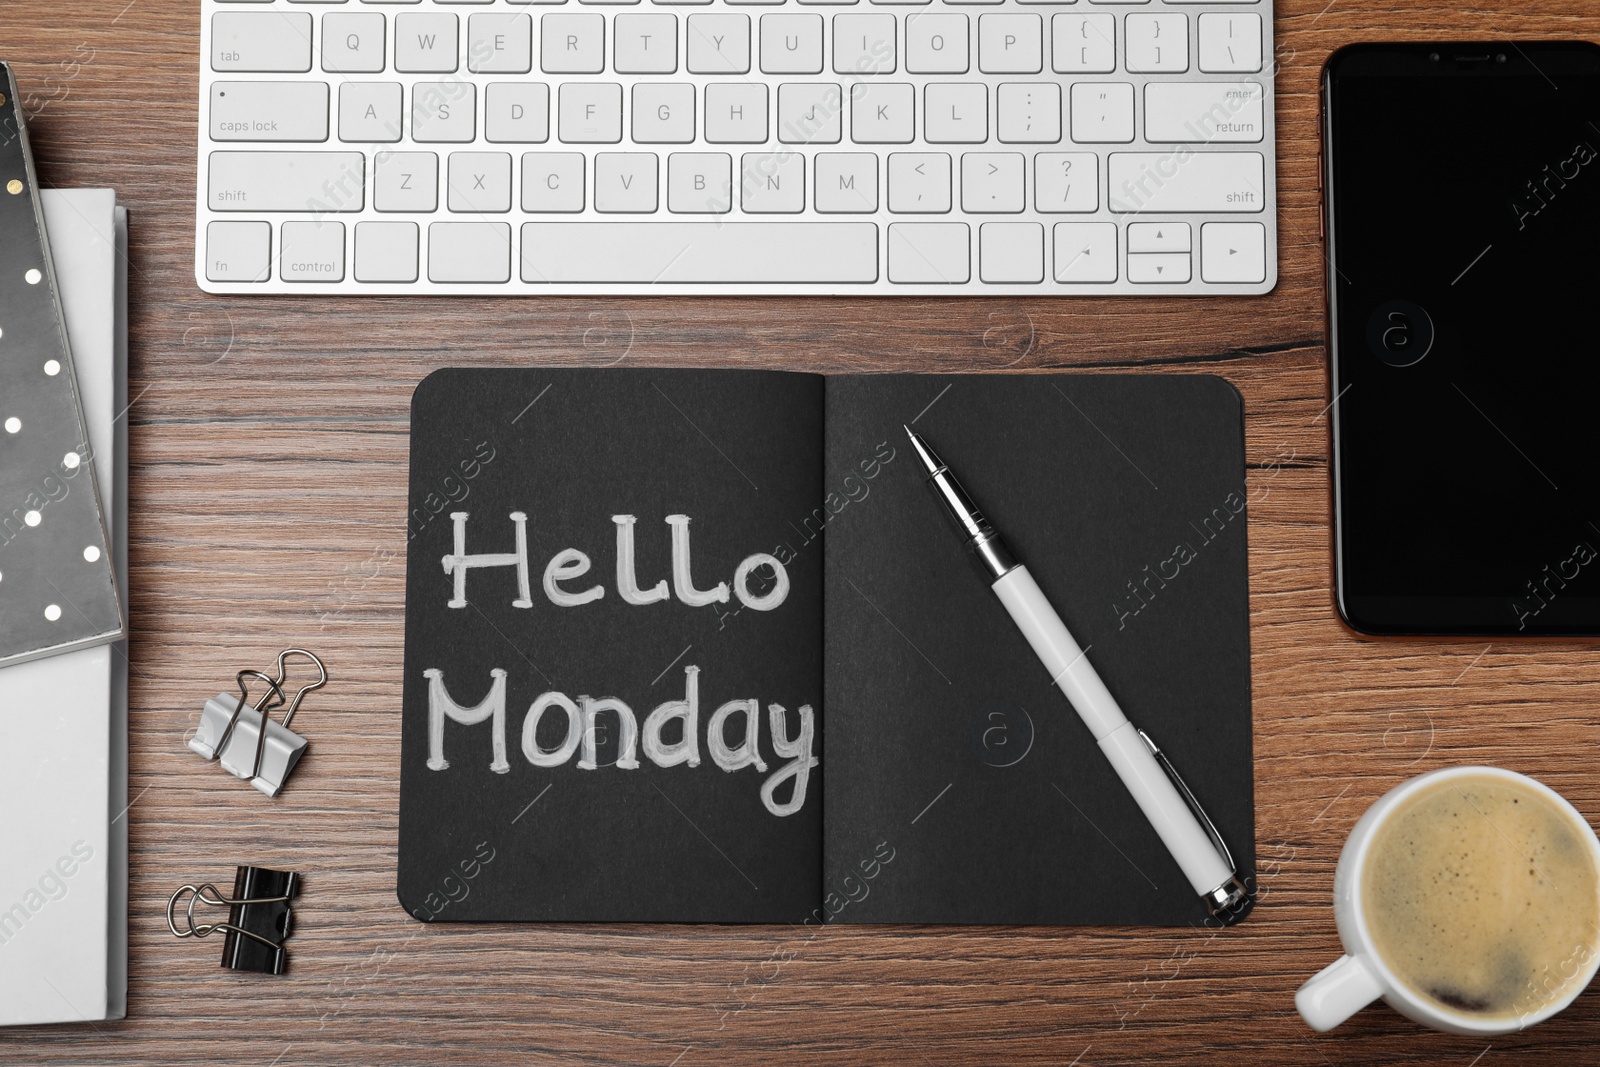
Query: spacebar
<point>664,252</point>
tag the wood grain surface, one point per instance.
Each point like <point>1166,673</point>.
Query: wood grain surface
<point>269,445</point>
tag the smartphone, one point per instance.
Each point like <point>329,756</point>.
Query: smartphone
<point>1461,200</point>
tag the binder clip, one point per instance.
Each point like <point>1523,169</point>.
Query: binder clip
<point>259,918</point>
<point>232,731</point>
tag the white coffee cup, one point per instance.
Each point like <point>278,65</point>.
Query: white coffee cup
<point>1361,976</point>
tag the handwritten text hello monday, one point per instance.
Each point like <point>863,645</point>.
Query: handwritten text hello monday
<point>760,582</point>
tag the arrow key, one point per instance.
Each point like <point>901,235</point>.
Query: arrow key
<point>1085,252</point>
<point>1162,268</point>
<point>1158,237</point>
<point>1233,252</point>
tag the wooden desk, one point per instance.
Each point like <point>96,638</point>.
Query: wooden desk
<point>269,477</point>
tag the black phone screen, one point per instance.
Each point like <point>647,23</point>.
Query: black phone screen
<point>1463,208</point>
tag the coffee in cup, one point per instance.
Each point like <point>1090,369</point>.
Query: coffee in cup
<point>1481,896</point>
<point>1469,899</point>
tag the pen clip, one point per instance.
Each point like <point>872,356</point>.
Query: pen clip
<point>1189,799</point>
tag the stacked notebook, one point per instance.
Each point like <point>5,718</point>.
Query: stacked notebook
<point>63,719</point>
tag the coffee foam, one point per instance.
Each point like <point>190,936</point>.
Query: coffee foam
<point>1483,896</point>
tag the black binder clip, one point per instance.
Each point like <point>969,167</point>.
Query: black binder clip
<point>248,743</point>
<point>259,918</point>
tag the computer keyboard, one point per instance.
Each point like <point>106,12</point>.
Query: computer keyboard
<point>736,146</point>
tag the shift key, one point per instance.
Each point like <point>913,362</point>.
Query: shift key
<point>1184,180</point>
<point>269,111</point>
<point>321,182</point>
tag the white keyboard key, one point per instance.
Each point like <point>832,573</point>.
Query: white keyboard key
<point>268,41</point>
<point>516,112</point>
<point>773,182</point>
<point>425,43</point>
<point>353,43</point>
<point>956,113</point>
<point>1102,112</point>
<point>645,43</point>
<point>1158,268</point>
<point>469,252</point>
<point>714,252</point>
<point>444,112</point>
<point>919,183</point>
<point>992,182</point>
<point>1230,43</point>
<point>791,43</point>
<point>321,182</point>
<point>405,181</point>
<point>386,252</point>
<point>1066,182</point>
<point>311,252</point>
<point>625,182</point>
<point>1011,252</point>
<point>552,181</point>
<point>1159,237</point>
<point>371,112</point>
<point>269,111</point>
<point>930,253</point>
<point>1158,44</point>
<point>238,251</point>
<point>736,113</point>
<point>1029,113</point>
<point>1010,43</point>
<point>847,183</point>
<point>882,113</point>
<point>1203,113</point>
<point>718,44</point>
<point>1233,252</point>
<point>936,43</point>
<point>700,183</point>
<point>571,43</point>
<point>809,112</point>
<point>864,44</point>
<point>480,182</point>
<point>1083,43</point>
<point>1085,252</point>
<point>1159,183</point>
<point>663,112</point>
<point>590,112</point>
<point>499,43</point>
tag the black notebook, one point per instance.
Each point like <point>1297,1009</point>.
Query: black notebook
<point>700,646</point>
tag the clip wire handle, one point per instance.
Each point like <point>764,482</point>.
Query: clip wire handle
<point>261,706</point>
<point>322,679</point>
<point>258,910</point>
<point>277,687</point>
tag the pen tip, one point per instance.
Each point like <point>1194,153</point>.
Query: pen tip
<point>909,431</point>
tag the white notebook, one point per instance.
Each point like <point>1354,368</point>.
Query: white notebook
<point>64,720</point>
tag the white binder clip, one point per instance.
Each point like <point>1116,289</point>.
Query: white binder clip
<point>231,730</point>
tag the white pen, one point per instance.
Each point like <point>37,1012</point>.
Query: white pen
<point>1143,768</point>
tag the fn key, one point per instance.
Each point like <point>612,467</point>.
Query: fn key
<point>238,251</point>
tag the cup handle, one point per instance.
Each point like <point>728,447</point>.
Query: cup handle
<point>1337,992</point>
